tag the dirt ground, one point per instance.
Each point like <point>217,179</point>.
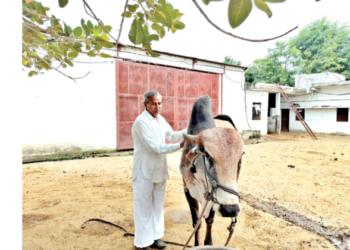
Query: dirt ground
<point>302,207</point>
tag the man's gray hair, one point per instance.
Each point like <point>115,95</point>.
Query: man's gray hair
<point>148,94</point>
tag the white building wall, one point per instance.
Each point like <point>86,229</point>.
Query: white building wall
<point>305,81</point>
<point>234,102</point>
<point>325,97</point>
<point>320,121</point>
<point>61,116</point>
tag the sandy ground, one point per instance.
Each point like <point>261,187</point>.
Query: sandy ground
<point>58,197</point>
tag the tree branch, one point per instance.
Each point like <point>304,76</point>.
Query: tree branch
<point>142,7</point>
<point>238,37</point>
<point>97,19</point>
<point>37,14</point>
<point>121,24</point>
<point>25,45</point>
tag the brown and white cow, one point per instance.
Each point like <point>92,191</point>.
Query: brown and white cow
<point>220,145</point>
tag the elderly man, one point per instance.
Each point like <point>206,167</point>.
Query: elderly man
<point>150,171</point>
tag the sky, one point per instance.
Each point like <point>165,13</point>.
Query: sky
<point>200,39</point>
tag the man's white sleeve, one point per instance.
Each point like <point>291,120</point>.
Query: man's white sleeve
<point>174,136</point>
<point>148,140</point>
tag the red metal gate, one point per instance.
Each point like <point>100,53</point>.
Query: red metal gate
<point>179,90</point>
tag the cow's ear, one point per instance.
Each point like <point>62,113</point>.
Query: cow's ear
<point>191,138</point>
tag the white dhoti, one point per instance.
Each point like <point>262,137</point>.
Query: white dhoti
<point>148,210</point>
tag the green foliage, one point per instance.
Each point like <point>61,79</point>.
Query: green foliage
<point>230,60</point>
<point>239,10</point>
<point>322,46</point>
<point>159,16</point>
<point>45,40</point>
<point>54,158</point>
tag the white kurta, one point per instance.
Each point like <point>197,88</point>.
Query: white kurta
<point>150,148</point>
<point>150,172</point>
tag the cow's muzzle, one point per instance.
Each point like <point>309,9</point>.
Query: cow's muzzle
<point>229,210</point>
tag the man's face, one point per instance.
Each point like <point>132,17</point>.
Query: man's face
<point>154,105</point>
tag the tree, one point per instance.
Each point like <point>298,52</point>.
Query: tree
<point>322,46</point>
<point>57,41</point>
<point>230,60</point>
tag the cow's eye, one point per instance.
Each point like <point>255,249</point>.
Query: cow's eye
<point>193,169</point>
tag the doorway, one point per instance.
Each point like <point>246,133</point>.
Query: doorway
<point>285,120</point>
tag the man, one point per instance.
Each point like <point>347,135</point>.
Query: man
<point>150,171</point>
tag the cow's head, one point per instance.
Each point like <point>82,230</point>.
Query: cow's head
<point>222,149</point>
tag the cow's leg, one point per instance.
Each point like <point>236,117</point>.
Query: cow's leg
<point>210,220</point>
<point>194,208</point>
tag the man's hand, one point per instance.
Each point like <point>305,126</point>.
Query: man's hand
<point>182,144</point>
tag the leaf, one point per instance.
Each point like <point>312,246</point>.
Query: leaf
<point>132,8</point>
<point>136,35</point>
<point>41,10</point>
<point>86,29</point>
<point>88,47</point>
<point>62,3</point>
<point>54,22</point>
<point>206,2</point>
<point>173,13</point>
<point>173,29</point>
<point>67,29</point>
<point>73,54</point>
<point>58,29</point>
<point>69,62</point>
<point>32,73</point>
<point>145,30</point>
<point>169,6</point>
<point>238,11</point>
<point>261,5</point>
<point>276,1</point>
<point>89,24</point>
<point>140,15</point>
<point>179,25</point>
<point>95,32</point>
<point>64,65</point>
<point>91,53</point>
<point>162,2</point>
<point>104,43</point>
<point>64,47</point>
<point>105,55</point>
<point>152,54</point>
<point>163,17</point>
<point>161,32</point>
<point>108,28</point>
<point>150,38</point>
<point>104,36</point>
<point>127,14</point>
<point>26,62</point>
<point>150,2</point>
<point>78,31</point>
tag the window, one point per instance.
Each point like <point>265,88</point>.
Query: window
<point>342,114</point>
<point>256,111</point>
<point>302,113</point>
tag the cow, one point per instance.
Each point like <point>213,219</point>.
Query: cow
<point>210,166</point>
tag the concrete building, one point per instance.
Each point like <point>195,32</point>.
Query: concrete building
<point>95,113</point>
<point>322,99</point>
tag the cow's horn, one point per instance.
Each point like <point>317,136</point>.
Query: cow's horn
<point>191,138</point>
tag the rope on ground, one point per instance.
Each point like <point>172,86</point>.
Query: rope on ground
<point>127,233</point>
